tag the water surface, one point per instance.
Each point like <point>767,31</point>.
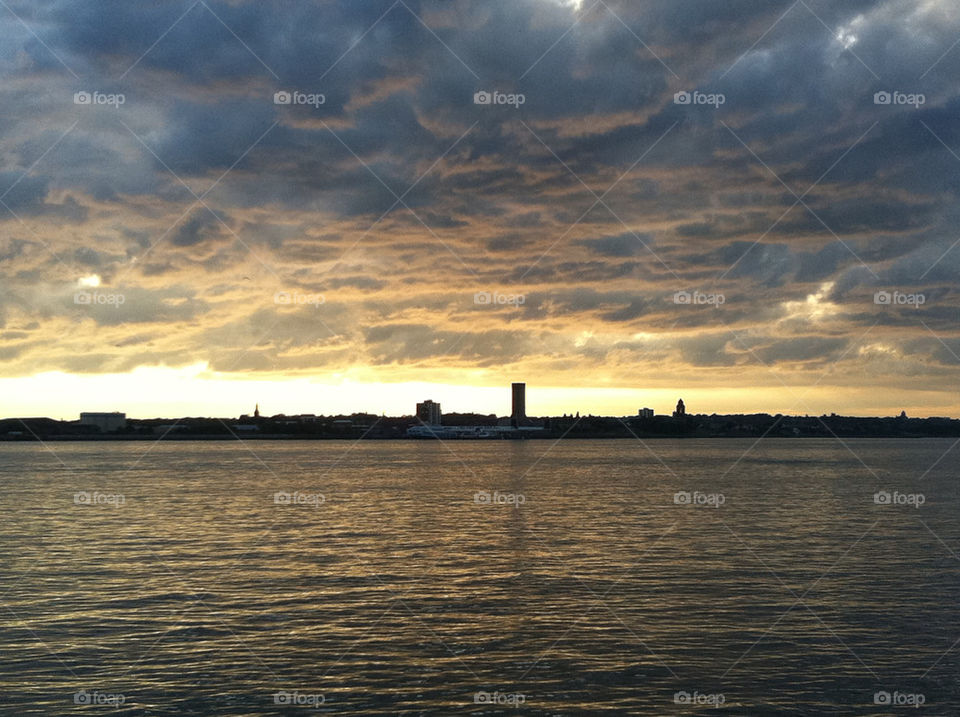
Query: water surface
<point>586,577</point>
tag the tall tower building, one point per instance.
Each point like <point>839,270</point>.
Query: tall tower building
<point>519,412</point>
<point>429,413</point>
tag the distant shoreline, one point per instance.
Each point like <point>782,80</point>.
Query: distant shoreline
<point>405,439</point>
<point>459,427</point>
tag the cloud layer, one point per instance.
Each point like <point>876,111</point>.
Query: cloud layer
<point>745,193</point>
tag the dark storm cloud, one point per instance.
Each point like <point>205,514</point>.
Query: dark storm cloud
<point>22,192</point>
<point>805,348</point>
<point>665,196</point>
<point>622,245</point>
<point>26,195</point>
<point>507,242</point>
<point>356,282</point>
<point>201,226</point>
<point>410,342</point>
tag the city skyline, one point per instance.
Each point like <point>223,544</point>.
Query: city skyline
<point>429,412</point>
<point>293,398</point>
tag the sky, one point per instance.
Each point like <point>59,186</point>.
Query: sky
<point>329,207</point>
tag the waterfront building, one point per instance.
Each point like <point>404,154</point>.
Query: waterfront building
<point>429,413</point>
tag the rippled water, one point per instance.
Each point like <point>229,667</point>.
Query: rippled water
<point>385,587</point>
